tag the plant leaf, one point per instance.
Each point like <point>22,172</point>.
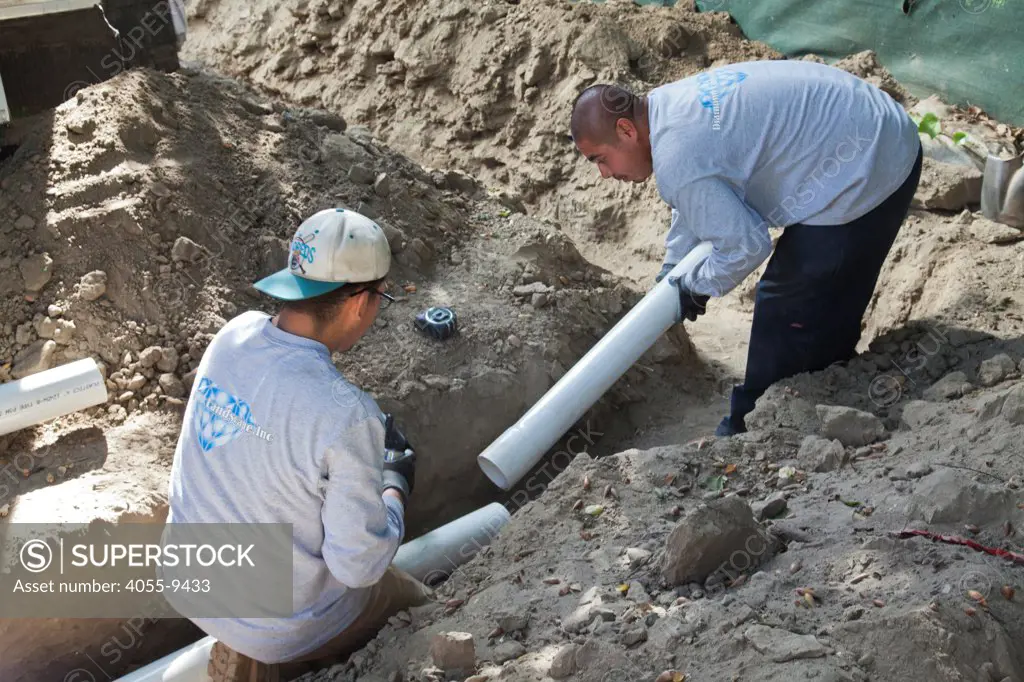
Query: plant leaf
<point>850,503</point>
<point>730,469</point>
<point>959,136</point>
<point>715,483</point>
<point>930,125</point>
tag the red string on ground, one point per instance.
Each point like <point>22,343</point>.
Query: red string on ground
<point>955,540</point>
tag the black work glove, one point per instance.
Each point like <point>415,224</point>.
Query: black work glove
<point>691,305</point>
<point>399,460</point>
<point>665,269</point>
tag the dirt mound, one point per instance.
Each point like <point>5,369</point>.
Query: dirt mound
<point>484,87</point>
<point>820,583</point>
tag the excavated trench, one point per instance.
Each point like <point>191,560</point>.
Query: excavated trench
<point>134,239</point>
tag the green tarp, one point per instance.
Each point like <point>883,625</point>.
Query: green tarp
<point>966,51</point>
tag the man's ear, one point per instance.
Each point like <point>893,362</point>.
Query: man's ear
<point>625,128</point>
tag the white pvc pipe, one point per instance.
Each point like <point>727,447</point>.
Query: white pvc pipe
<point>437,553</point>
<point>51,393</point>
<point>522,445</point>
<point>433,554</point>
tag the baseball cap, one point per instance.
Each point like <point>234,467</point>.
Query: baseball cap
<point>331,248</point>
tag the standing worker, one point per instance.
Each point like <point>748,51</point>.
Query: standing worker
<point>311,454</point>
<point>739,149</point>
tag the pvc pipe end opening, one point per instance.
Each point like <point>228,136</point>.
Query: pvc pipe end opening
<point>493,472</point>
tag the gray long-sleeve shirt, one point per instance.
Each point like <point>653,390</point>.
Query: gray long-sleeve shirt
<point>273,433</point>
<point>754,145</point>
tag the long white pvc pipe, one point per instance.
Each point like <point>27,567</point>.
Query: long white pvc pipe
<point>51,393</point>
<point>431,555</point>
<point>522,445</point>
<point>436,554</point>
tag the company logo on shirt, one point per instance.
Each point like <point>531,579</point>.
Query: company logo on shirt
<point>713,86</point>
<point>221,417</point>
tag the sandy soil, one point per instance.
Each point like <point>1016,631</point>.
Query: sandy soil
<point>135,216</point>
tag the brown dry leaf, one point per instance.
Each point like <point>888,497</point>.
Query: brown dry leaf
<point>586,482</point>
<point>878,602</point>
<point>564,590</point>
<point>454,603</point>
<point>551,581</point>
<point>671,676</point>
<point>495,633</point>
<point>409,288</point>
<point>1008,592</point>
<point>970,611</point>
<point>730,469</point>
<point>577,505</point>
<point>739,580</point>
<point>670,479</point>
<point>976,596</point>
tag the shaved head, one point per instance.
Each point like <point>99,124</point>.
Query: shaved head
<point>598,109</point>
<point>609,127</point>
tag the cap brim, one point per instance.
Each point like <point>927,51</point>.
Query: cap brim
<point>286,286</point>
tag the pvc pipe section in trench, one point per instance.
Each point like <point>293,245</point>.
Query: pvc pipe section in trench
<point>522,445</point>
<point>432,555</point>
<point>51,393</point>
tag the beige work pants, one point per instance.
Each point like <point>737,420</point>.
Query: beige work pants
<point>394,592</point>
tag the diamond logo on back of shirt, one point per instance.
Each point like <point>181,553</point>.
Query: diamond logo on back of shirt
<point>219,416</point>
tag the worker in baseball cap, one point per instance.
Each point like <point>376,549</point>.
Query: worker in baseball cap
<point>273,433</point>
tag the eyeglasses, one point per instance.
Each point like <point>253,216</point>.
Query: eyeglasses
<point>386,299</point>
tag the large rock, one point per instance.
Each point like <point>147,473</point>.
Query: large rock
<point>454,652</point>
<point>721,535</point>
<point>782,645</point>
<point>953,385</point>
<point>947,186</point>
<point>36,271</point>
<point>995,369</point>
<point>34,358</point>
<point>563,665</point>
<point>947,496</point>
<point>849,426</point>
<point>185,250</point>
<point>93,285</point>
<point>820,454</point>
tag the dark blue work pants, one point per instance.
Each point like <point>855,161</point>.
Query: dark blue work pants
<point>812,297</point>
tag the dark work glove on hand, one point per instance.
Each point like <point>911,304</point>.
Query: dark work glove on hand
<point>665,269</point>
<point>690,304</point>
<point>399,460</point>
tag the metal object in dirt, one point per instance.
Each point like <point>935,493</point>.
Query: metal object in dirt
<point>438,322</point>
<point>1002,190</point>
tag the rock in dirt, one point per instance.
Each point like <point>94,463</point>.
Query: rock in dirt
<point>782,645</point>
<point>93,285</point>
<point>850,426</point>
<point>36,271</point>
<point>821,454</point>
<point>706,539</point>
<point>918,413</point>
<point>172,385</point>
<point>947,496</point>
<point>24,223</point>
<point>995,369</point>
<point>185,250</point>
<point>1012,409</point>
<point>168,359</point>
<point>948,187</point>
<point>513,623</point>
<point>453,652</point>
<point>150,356</point>
<point>563,665</point>
<point>991,232</point>
<point>34,358</point>
<point>953,385</point>
<point>531,289</point>
<point>771,507</point>
<point>508,651</point>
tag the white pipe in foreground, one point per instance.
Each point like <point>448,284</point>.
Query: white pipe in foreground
<point>437,553</point>
<point>434,554</point>
<point>51,393</point>
<point>521,446</point>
